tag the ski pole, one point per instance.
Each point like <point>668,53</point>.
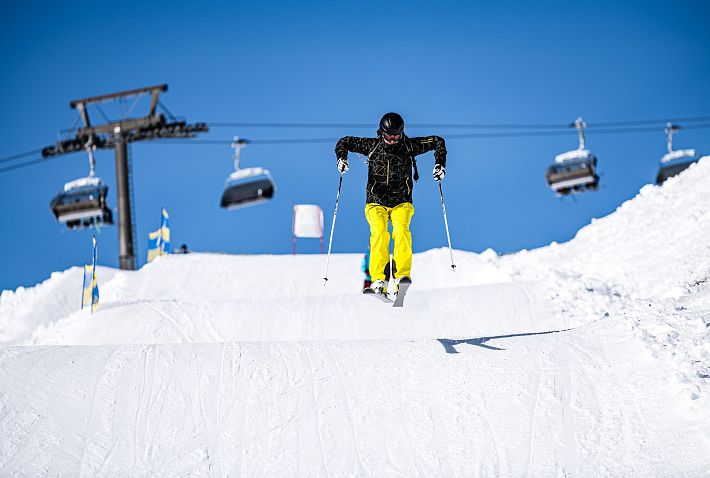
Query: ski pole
<point>332,228</point>
<point>446,223</point>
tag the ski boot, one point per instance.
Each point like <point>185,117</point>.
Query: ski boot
<point>378,289</point>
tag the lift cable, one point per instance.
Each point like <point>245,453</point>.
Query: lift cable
<point>613,124</point>
<point>21,155</point>
<point>542,126</point>
<point>373,125</point>
<point>608,124</point>
<point>509,134</point>
<point>521,134</point>
<point>22,165</point>
<point>512,134</point>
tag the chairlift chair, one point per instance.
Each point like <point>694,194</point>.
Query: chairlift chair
<point>574,171</point>
<point>82,202</point>
<point>673,162</point>
<point>248,186</point>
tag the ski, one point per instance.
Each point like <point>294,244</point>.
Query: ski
<point>404,284</point>
<point>372,293</point>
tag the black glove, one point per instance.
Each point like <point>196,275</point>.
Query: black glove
<point>342,165</point>
<point>439,172</point>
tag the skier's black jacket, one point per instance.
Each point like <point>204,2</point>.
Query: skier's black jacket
<point>389,171</point>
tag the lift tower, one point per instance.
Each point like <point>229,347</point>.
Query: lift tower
<point>117,134</point>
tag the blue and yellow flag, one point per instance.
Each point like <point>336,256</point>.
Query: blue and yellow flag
<point>90,294</point>
<point>159,241</point>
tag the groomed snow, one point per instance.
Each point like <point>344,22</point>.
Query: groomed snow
<point>589,358</point>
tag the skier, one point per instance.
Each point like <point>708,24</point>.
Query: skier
<point>391,158</point>
<point>365,268</point>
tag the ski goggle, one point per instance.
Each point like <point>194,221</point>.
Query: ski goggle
<point>392,137</point>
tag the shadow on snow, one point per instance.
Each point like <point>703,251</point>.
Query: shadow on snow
<point>449,344</point>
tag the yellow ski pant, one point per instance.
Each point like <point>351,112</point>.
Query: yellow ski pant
<point>378,216</point>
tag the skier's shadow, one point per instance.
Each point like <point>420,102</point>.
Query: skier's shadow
<point>450,344</point>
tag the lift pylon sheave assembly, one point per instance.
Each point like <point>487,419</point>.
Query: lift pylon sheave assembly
<point>82,202</point>
<point>574,171</point>
<point>117,134</point>
<point>673,162</point>
<point>248,186</point>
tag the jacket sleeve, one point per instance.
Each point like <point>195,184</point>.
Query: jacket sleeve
<point>353,144</point>
<point>424,144</point>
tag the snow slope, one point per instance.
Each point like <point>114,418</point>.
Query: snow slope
<point>589,358</point>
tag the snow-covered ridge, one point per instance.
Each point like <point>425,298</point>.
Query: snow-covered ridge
<point>654,245</point>
<point>647,263</point>
<point>23,310</point>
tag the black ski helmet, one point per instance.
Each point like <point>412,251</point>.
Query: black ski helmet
<point>391,123</point>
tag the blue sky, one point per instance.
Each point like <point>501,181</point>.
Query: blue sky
<point>343,62</point>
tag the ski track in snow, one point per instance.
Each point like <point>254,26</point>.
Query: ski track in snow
<point>590,358</point>
<point>424,410</point>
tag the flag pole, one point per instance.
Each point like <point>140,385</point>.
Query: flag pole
<point>93,274</point>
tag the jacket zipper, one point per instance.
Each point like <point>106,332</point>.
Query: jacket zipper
<point>388,172</point>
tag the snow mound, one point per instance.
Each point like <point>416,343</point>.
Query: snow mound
<point>655,244</point>
<point>23,310</point>
<point>588,358</point>
<point>648,263</point>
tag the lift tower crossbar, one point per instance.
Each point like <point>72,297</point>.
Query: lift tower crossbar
<point>116,135</point>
